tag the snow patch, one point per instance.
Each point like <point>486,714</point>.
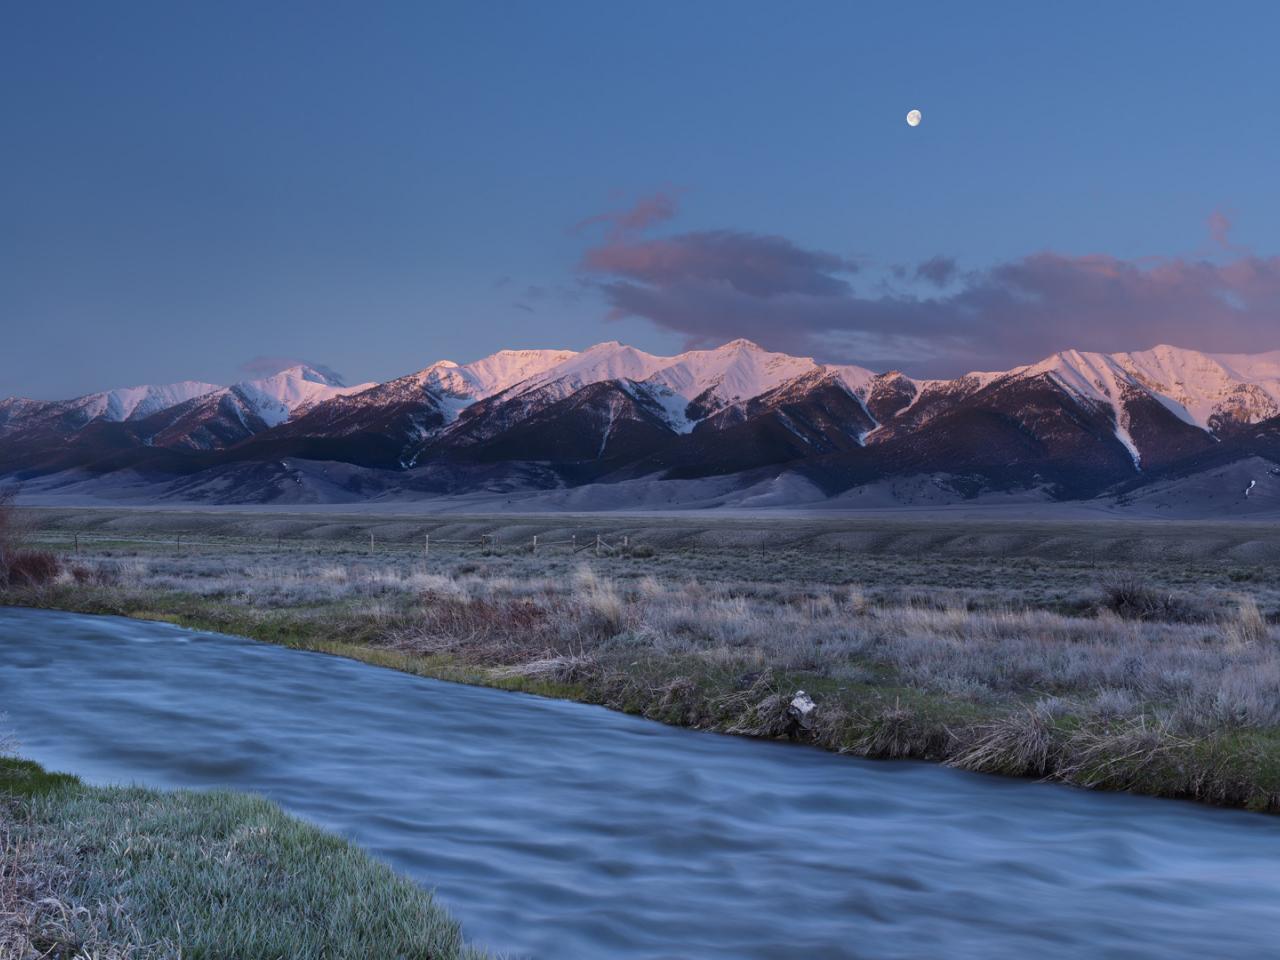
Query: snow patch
<point>1122,434</point>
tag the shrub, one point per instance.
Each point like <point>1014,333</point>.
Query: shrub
<point>1130,599</point>
<point>8,533</point>
<point>21,566</point>
<point>30,568</point>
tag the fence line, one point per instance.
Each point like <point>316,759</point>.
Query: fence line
<point>576,544</point>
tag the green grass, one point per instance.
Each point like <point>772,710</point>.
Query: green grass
<point>133,873</point>
<point>23,779</point>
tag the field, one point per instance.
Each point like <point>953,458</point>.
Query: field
<point>1110,654</point>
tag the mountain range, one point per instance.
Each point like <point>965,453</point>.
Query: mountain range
<point>737,424</point>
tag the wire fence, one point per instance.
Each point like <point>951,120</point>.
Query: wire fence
<point>424,546</point>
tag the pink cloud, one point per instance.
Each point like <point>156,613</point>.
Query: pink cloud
<point>643,214</point>
<point>755,265</point>
<point>1220,228</point>
<point>715,285</point>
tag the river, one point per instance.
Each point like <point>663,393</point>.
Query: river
<point>560,831</point>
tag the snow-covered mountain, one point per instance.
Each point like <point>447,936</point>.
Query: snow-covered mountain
<point>735,372</point>
<point>1206,390</point>
<point>1073,423</point>
<point>112,406</point>
<point>278,397</point>
<point>249,406</point>
<point>687,387</point>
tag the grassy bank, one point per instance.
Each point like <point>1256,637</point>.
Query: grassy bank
<point>133,874</point>
<point>1161,679</point>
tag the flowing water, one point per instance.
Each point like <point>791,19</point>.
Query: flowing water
<point>557,830</point>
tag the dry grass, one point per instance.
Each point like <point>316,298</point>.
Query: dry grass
<point>896,671</point>
<point>1020,744</point>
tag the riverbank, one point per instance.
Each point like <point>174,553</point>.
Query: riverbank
<point>124,873</point>
<point>1162,679</point>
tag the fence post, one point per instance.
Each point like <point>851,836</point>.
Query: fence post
<point>535,543</point>
<point>370,541</point>
<point>77,544</point>
<point>574,546</point>
<point>179,543</point>
<point>597,544</point>
<point>626,543</point>
<point>426,546</point>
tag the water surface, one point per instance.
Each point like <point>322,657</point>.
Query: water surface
<point>558,830</point>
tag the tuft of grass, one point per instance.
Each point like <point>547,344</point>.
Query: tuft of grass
<point>133,874</point>
<point>1247,624</point>
<point>1020,744</point>
<point>899,732</point>
<point>1116,757</point>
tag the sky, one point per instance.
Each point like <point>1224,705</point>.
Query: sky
<point>196,191</point>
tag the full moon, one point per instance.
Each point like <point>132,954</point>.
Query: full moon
<point>913,118</point>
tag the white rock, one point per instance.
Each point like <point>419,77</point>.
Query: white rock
<point>802,703</point>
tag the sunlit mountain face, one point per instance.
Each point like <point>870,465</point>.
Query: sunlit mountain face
<point>1073,425</point>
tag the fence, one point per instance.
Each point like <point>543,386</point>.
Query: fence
<point>589,542</point>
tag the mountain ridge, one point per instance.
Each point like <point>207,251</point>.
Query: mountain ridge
<point>1074,424</point>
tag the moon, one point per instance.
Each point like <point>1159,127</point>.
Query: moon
<point>913,118</point>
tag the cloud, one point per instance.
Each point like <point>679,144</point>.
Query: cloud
<point>716,285</point>
<point>267,366</point>
<point>643,214</point>
<point>1220,225</point>
<point>1219,228</point>
<point>751,264</point>
<point>937,270</point>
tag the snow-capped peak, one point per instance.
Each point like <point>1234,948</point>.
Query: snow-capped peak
<point>489,375</point>
<point>278,397</point>
<point>1199,388</point>
<point>1207,386</point>
<point>603,361</point>
<point>733,373</point>
<point>134,403</point>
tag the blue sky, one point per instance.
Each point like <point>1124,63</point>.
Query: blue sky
<point>377,185</point>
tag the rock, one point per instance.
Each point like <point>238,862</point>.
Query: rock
<point>802,703</point>
<point>800,709</point>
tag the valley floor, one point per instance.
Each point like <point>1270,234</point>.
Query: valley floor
<point>1113,654</point>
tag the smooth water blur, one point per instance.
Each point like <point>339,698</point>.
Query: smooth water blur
<point>556,830</point>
